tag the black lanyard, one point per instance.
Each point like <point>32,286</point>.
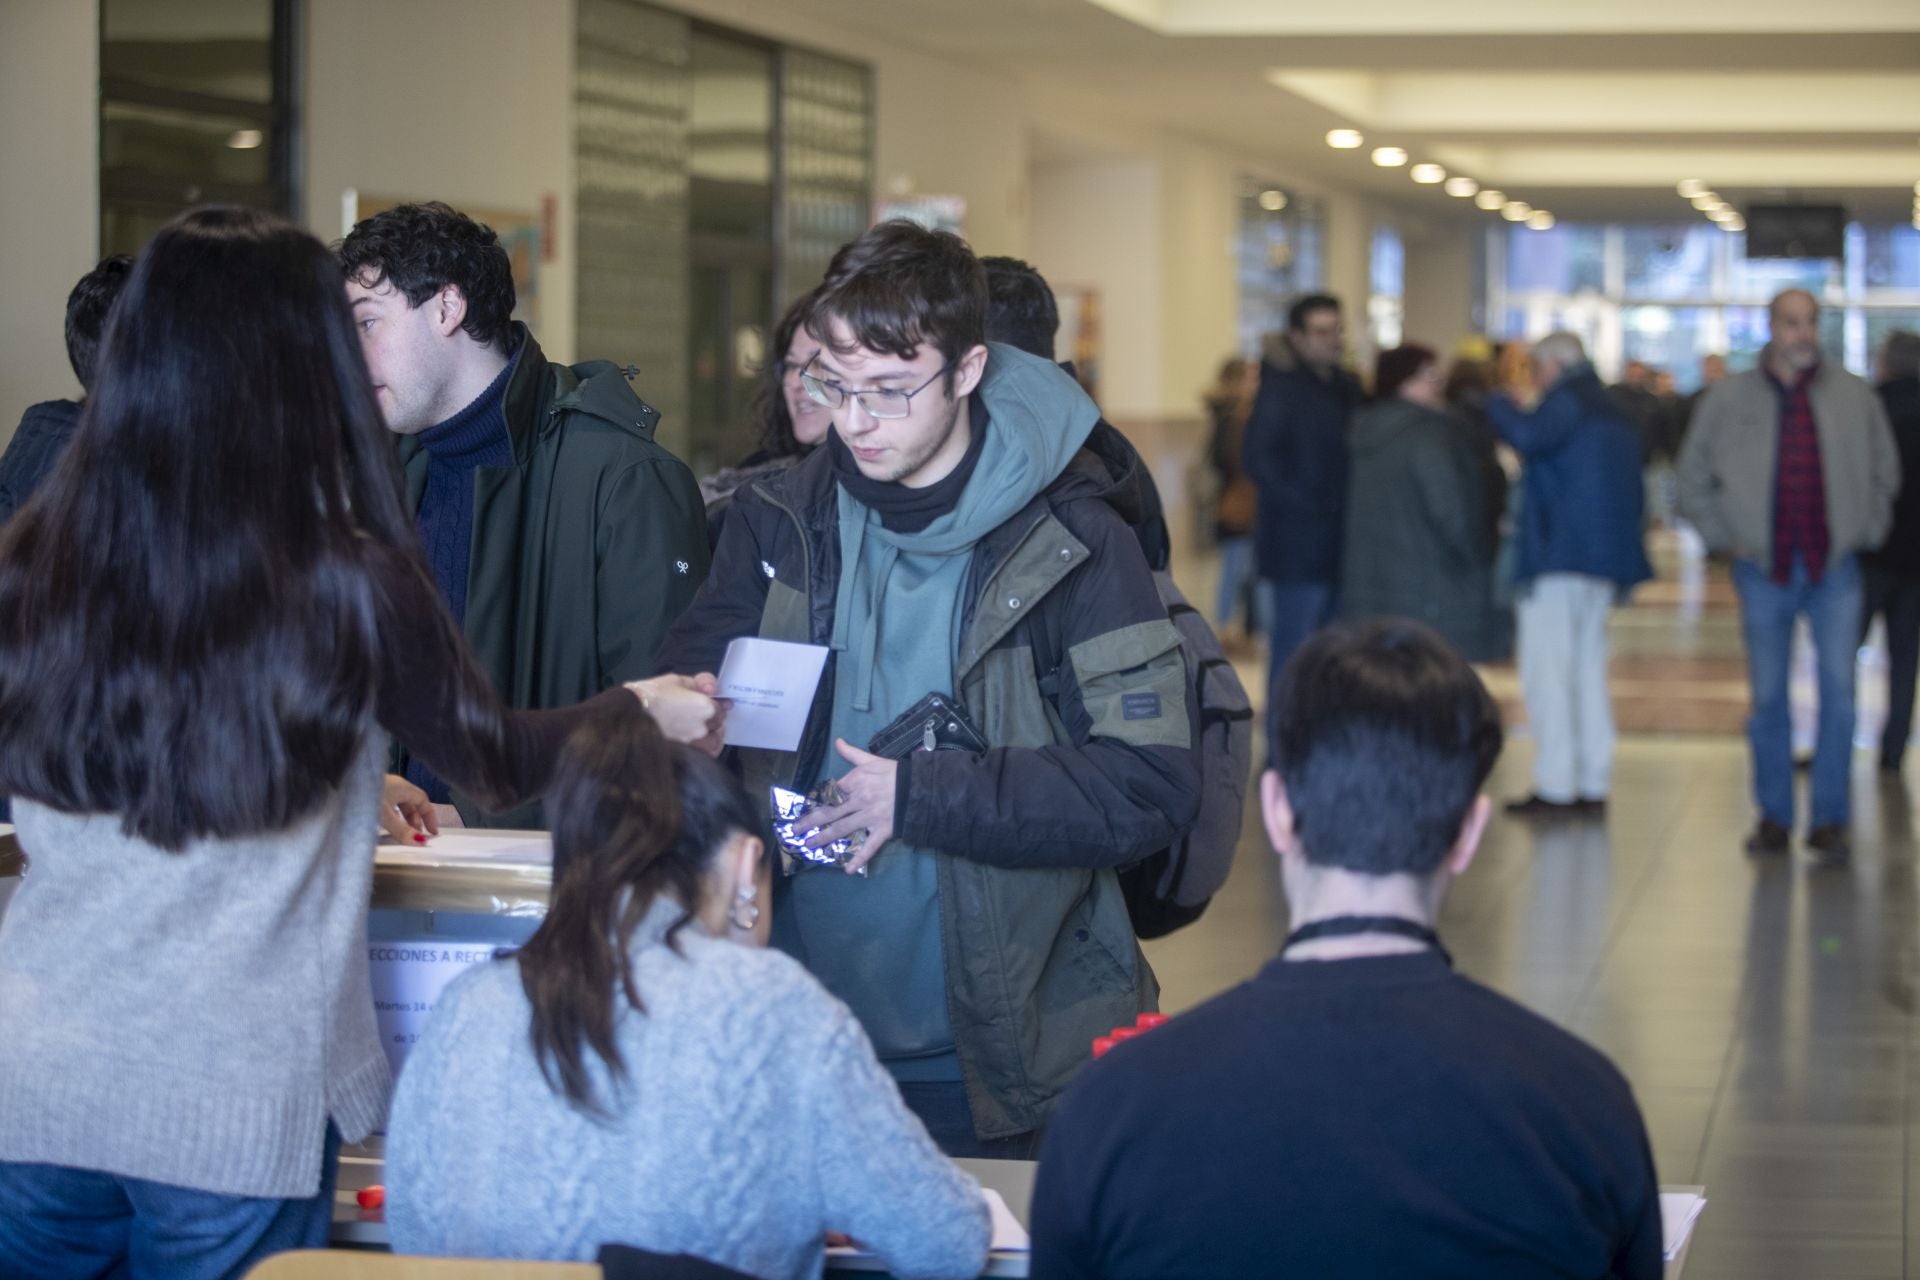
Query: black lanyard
<point>1347,926</point>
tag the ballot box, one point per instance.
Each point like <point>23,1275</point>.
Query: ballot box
<point>439,909</point>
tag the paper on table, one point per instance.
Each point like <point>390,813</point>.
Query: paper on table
<point>1008,1234</point>
<point>463,846</point>
<point>771,685</point>
<point>1679,1210</point>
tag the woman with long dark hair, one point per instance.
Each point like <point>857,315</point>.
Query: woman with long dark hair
<point>645,1072</point>
<point>208,615</point>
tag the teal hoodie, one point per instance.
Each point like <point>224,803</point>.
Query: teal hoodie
<point>875,942</point>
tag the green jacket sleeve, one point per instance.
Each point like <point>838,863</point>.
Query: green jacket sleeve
<point>651,557</point>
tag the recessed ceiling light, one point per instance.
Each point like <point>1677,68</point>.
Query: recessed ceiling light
<point>1540,220</point>
<point>1723,215</point>
<point>245,139</point>
<point>1738,223</point>
<point>1389,157</point>
<point>1691,187</point>
<point>1705,200</point>
<point>1344,139</point>
<point>1273,201</point>
<point>1462,187</point>
<point>1490,199</point>
<point>1516,211</point>
<point>1428,173</point>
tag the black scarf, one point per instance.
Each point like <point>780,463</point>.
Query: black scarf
<point>904,510</point>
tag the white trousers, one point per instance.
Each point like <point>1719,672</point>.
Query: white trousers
<point>1563,677</point>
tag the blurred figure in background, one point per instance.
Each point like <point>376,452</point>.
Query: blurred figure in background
<point>1713,369</point>
<point>792,423</point>
<point>1296,453</point>
<point>1470,383</point>
<point>46,427</point>
<point>1237,506</point>
<point>1580,550</point>
<point>1416,542</point>
<point>1791,469</point>
<point>1892,577</point>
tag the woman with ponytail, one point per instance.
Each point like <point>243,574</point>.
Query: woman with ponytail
<point>644,1072</point>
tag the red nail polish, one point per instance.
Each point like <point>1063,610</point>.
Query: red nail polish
<point>419,839</point>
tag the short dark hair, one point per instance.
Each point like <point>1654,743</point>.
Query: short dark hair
<point>87,308</point>
<point>900,286</point>
<point>1021,310</point>
<point>1384,736</point>
<point>1302,308</point>
<point>1395,367</point>
<point>635,819</point>
<point>423,248</point>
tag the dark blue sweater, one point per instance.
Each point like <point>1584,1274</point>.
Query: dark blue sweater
<point>474,437</point>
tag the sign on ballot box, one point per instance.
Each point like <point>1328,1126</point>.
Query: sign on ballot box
<point>441,908</point>
<point>408,977</point>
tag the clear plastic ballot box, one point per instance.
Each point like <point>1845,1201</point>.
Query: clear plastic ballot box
<point>443,907</point>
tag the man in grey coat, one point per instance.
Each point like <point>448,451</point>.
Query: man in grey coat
<point>1791,469</point>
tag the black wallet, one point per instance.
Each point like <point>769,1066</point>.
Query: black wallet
<point>935,723</point>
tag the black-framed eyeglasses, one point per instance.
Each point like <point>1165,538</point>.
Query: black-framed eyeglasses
<point>879,402</point>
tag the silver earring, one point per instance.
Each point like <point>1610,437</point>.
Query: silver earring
<point>749,899</point>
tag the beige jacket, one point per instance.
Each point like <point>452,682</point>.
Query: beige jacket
<point>1727,467</point>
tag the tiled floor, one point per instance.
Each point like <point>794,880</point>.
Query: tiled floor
<point>1764,1011</point>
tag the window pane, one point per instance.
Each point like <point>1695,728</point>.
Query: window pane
<point>1671,339</point>
<point>202,150</point>
<point>223,50</point>
<point>1892,258</point>
<point>1670,262</point>
<point>1758,279</point>
<point>1881,322</point>
<point>1566,259</point>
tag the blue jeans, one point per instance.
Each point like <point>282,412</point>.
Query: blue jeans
<point>1293,611</point>
<point>1767,612</point>
<point>1236,575</point>
<point>58,1223</point>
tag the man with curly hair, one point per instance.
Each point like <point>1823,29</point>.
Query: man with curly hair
<point>562,536</point>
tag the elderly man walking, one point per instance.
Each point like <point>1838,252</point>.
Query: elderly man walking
<point>1791,469</point>
<point>1580,549</point>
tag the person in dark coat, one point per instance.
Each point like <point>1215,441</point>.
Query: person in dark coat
<point>1580,550</point>
<point>46,427</point>
<point>1892,573</point>
<point>792,424</point>
<point>1416,542</point>
<point>564,539</point>
<point>1296,452</point>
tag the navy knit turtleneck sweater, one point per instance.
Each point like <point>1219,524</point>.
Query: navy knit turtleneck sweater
<point>474,437</point>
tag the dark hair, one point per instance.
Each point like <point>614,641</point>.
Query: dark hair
<point>1384,735</point>
<point>900,286</point>
<point>634,818</point>
<point>1470,380</point>
<point>1021,310</point>
<point>189,607</point>
<point>423,248</point>
<point>1302,308</point>
<point>87,308</point>
<point>769,393</point>
<point>1396,367</point>
<point>1900,356</point>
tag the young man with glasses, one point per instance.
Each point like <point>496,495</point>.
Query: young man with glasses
<point>954,537</point>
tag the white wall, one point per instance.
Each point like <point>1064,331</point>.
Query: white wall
<point>467,101</point>
<point>50,193</point>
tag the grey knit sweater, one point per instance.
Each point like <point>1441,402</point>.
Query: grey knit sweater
<point>754,1118</point>
<point>192,1018</point>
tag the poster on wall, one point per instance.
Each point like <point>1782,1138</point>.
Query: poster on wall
<point>520,233</point>
<point>936,213</point>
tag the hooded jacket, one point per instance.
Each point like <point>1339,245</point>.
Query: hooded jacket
<point>1066,661</point>
<point>1416,541</point>
<point>585,549</point>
